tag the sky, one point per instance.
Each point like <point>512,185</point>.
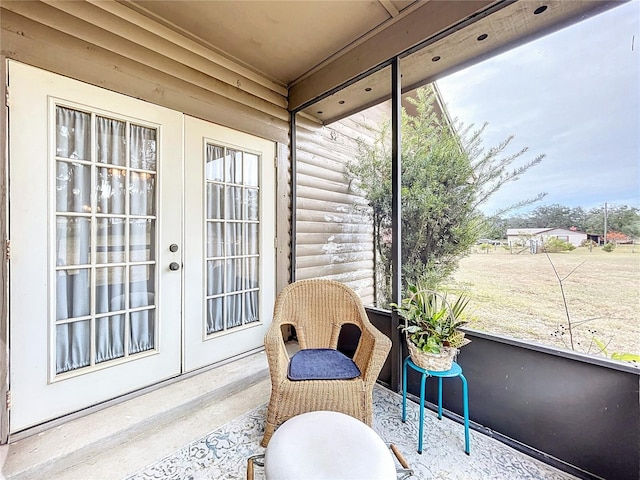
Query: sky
<point>573,95</point>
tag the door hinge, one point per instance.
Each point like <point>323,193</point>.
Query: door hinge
<point>275,162</point>
<point>8,249</point>
<point>6,96</point>
<point>8,399</point>
<point>275,242</point>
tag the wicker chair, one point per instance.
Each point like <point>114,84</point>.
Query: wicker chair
<point>318,309</point>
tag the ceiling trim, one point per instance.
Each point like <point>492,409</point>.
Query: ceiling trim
<point>426,21</point>
<point>389,7</point>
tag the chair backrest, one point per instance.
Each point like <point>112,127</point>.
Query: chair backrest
<point>317,309</point>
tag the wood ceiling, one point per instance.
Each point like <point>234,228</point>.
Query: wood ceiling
<point>311,47</point>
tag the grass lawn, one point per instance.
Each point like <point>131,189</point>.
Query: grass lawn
<point>519,296</point>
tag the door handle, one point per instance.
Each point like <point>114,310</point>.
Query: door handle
<point>174,266</point>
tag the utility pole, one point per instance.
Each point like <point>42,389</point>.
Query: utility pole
<point>605,223</point>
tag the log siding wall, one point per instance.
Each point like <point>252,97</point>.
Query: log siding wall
<point>109,46</point>
<point>334,237</point>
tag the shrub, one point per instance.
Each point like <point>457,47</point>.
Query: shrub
<point>608,247</point>
<point>554,245</point>
<point>485,247</point>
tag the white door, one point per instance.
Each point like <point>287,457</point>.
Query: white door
<point>142,244</point>
<point>229,255</point>
<point>95,194</point>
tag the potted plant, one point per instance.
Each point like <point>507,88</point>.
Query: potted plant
<point>432,327</point>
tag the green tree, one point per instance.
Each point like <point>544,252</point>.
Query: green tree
<point>620,218</point>
<point>551,216</point>
<point>446,176</point>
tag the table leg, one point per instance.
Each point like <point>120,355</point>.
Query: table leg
<point>439,398</point>
<point>465,406</point>
<point>422,383</point>
<point>404,390</point>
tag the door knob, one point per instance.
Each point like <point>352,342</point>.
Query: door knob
<point>174,266</point>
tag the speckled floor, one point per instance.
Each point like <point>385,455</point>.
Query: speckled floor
<point>223,453</point>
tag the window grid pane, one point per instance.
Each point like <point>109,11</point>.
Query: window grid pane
<point>105,239</point>
<point>231,238</point>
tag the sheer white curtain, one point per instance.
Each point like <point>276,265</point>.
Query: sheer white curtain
<point>142,194</point>
<point>75,215</point>
<point>232,238</point>
<point>214,175</point>
<point>73,238</point>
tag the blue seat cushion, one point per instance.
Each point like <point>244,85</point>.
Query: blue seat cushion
<point>321,364</point>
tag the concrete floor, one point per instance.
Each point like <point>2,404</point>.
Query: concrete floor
<point>120,440</point>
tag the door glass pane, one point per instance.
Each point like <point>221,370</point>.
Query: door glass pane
<point>251,203</point>
<point>231,241</point>
<point>110,289</point>
<point>110,240</point>
<point>111,190</point>
<point>215,201</point>
<point>142,193</point>
<point>73,187</point>
<point>230,166</point>
<point>215,278</point>
<point>141,285</point>
<point>111,141</point>
<point>251,239</point>
<point>214,163</point>
<point>234,311</point>
<point>109,338</point>
<point>251,307</point>
<point>73,346</point>
<point>233,272</point>
<point>73,293</point>
<point>143,148</point>
<point>142,234</point>
<point>105,203</point>
<point>215,239</point>
<point>233,238</point>
<point>73,240</point>
<point>215,318</point>
<point>251,275</point>
<point>143,334</point>
<point>233,207</point>
<point>73,134</point>
<point>238,167</point>
<point>251,169</point>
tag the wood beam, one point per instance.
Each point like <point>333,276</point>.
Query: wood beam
<point>389,7</point>
<point>425,22</point>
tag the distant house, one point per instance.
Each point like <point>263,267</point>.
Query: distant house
<point>538,236</point>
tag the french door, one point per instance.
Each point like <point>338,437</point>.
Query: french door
<point>115,279</point>
<point>229,253</point>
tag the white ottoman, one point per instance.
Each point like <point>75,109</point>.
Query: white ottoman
<point>328,446</point>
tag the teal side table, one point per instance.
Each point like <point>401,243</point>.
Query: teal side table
<point>455,371</point>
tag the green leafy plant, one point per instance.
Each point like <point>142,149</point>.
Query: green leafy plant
<point>447,174</point>
<point>555,245</point>
<point>431,322</point>
<point>485,247</point>
<point>621,356</point>
<point>608,247</point>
